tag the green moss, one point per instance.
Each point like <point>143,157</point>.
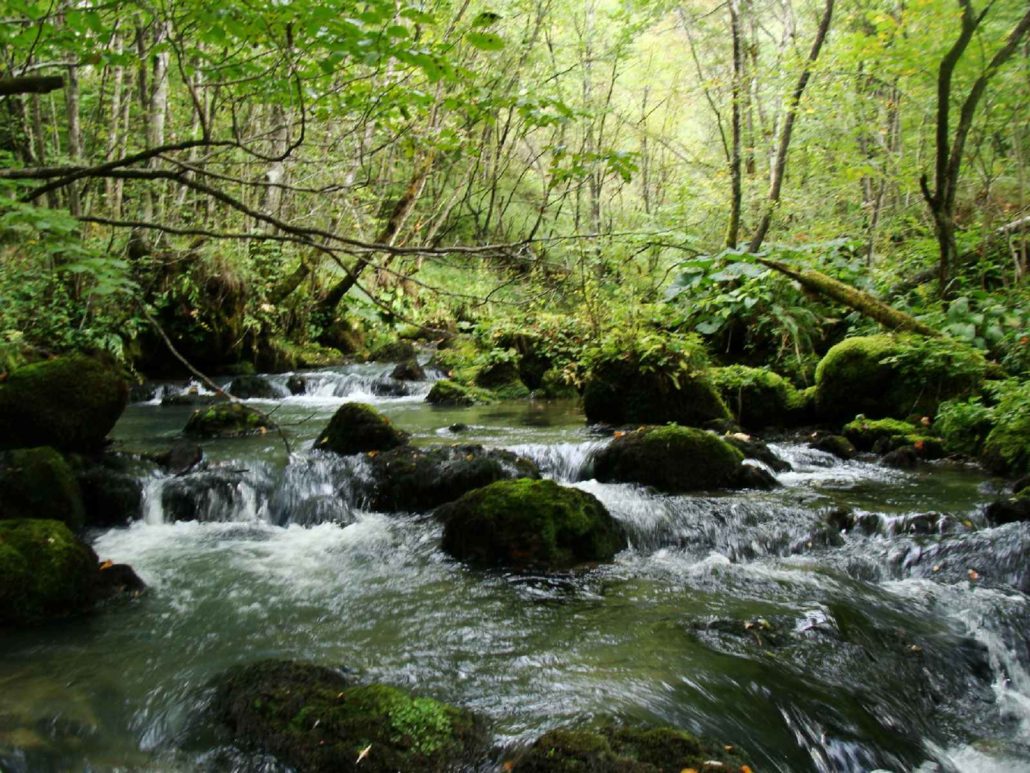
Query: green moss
<point>225,420</point>
<point>395,351</point>
<point>1006,451</point>
<point>460,360</point>
<point>900,376</point>
<point>70,403</point>
<point>357,428</point>
<point>38,483</point>
<point>756,397</point>
<point>529,524</point>
<point>964,425</point>
<point>449,393</point>
<point>314,719</point>
<point>882,435</point>
<point>555,386</point>
<point>621,748</point>
<point>45,572</point>
<point>670,458</point>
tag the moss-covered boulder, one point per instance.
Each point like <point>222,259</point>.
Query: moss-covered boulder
<point>39,483</point>
<point>835,445</point>
<point>625,749</point>
<point>397,351</point>
<point>224,420</point>
<point>618,392</point>
<point>755,396</point>
<point>502,377</point>
<point>670,458</point>
<point>112,488</point>
<point>418,479</point>
<point>529,524</point>
<point>882,436</point>
<point>46,573</point>
<point>1006,450</point>
<point>316,720</point>
<point>409,370</point>
<point>450,393</point>
<point>70,403</point>
<point>250,387</point>
<point>357,428</point>
<point>899,376</point>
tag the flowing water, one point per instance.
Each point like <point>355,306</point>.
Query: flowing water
<point>902,644</point>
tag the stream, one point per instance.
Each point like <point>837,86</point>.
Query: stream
<point>902,644</point>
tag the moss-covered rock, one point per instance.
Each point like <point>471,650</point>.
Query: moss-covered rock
<point>226,420</point>
<point>46,573</point>
<point>397,351</point>
<point>450,393</point>
<point>529,524</point>
<point>886,375</point>
<point>112,491</point>
<point>625,749</point>
<point>555,386</point>
<point>39,483</point>
<point>70,403</point>
<point>755,396</point>
<point>418,479</point>
<point>1006,451</point>
<point>357,428</point>
<point>836,445</point>
<point>670,458</point>
<point>409,370</point>
<point>619,392</point>
<point>314,719</point>
<point>882,436</point>
<point>250,387</point>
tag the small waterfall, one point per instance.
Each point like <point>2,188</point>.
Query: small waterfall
<point>565,462</point>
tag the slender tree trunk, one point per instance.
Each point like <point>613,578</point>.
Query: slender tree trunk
<point>736,194</point>
<point>71,102</point>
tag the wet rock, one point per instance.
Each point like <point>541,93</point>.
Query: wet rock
<point>398,351</point>
<point>118,580</point>
<point>450,393</point>
<point>1012,510</point>
<point>46,573</point>
<point>616,748</point>
<point>529,524</point>
<point>840,518</point>
<point>865,433</point>
<point>836,445</point>
<point>419,479</point>
<point>250,387</point>
<point>69,403</point>
<point>904,458</point>
<point>409,370</point>
<point>111,492</point>
<point>193,398</point>
<point>39,483</point>
<point>498,374</point>
<point>458,428</point>
<point>670,458</point>
<point>314,719</point>
<point>388,387</point>
<point>181,457</point>
<point>142,393</point>
<point>752,448</point>
<point>297,385</point>
<point>357,428</point>
<point>213,495</point>
<point>750,476</point>
<point>226,420</point>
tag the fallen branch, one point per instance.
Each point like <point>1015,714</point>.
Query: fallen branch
<point>31,84</point>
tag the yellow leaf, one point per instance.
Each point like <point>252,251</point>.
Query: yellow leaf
<point>106,565</point>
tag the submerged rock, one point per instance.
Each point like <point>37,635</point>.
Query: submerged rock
<point>39,483</point>
<point>419,479</point>
<point>46,573</point>
<point>314,719</point>
<point>670,458</point>
<point>70,403</point>
<point>451,393</point>
<point>409,370</point>
<point>249,387</point>
<point>226,420</point>
<point>529,524</point>
<point>616,748</point>
<point>357,428</point>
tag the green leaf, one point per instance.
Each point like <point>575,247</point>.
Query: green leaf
<point>485,41</point>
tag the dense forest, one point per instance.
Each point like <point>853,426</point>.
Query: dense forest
<point>637,312</point>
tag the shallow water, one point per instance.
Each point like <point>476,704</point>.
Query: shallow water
<point>740,615</point>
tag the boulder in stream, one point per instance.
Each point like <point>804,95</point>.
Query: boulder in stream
<point>314,719</point>
<point>70,403</point>
<point>357,428</point>
<point>1011,510</point>
<point>529,524</point>
<point>835,445</point>
<point>112,490</point>
<point>409,370</point>
<point>226,420</point>
<point>616,748</point>
<point>46,572</point>
<point>450,393</point>
<point>419,479</point>
<point>250,387</point>
<point>756,397</point>
<point>398,351</point>
<point>671,458</point>
<point>39,483</point>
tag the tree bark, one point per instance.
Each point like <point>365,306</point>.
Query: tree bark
<point>36,84</point>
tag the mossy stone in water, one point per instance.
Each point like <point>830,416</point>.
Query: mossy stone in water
<point>70,403</point>
<point>409,370</point>
<point>886,435</point>
<point>670,458</point>
<point>419,479</point>
<point>398,351</point>
<point>45,572</point>
<point>529,524</point>
<point>624,749</point>
<point>357,428</point>
<point>313,719</point>
<point>886,375</point>
<point>39,483</point>
<point>247,387</point>
<point>755,396</point>
<point>450,393</point>
<point>225,420</point>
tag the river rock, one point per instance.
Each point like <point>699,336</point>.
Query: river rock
<point>904,458</point>
<point>835,445</point>
<point>47,573</point>
<point>419,479</point>
<point>250,387</point>
<point>70,403</point>
<point>357,428</point>
<point>409,370</point>
<point>1010,510</point>
<point>226,420</point>
<point>616,748</point>
<point>398,351</point>
<point>755,396</point>
<point>316,720</point>
<point>111,490</point>
<point>39,483</point>
<point>670,458</point>
<point>753,448</point>
<point>182,457</point>
<point>450,393</point>
<point>529,524</point>
<point>297,385</point>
